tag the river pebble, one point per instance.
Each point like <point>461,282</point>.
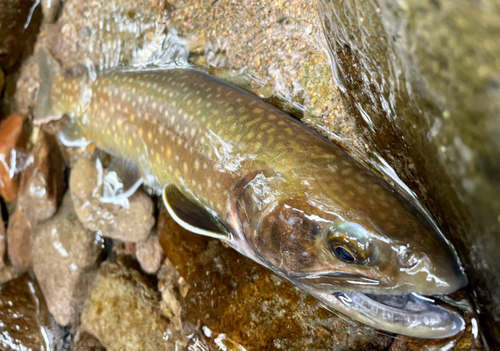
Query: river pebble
<point>130,224</point>
<point>123,311</point>
<point>65,257</point>
<point>18,242</point>
<point>149,253</point>
<point>42,183</point>
<point>25,323</point>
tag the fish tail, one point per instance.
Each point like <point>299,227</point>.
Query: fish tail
<point>49,69</point>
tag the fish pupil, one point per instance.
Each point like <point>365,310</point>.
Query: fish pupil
<point>344,254</point>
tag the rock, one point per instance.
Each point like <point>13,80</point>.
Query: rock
<point>123,311</point>
<point>11,135</point>
<point>127,224</point>
<point>18,241</point>
<point>2,80</point>
<point>230,294</point>
<point>25,323</point>
<point>86,342</point>
<point>149,253</point>
<point>2,241</point>
<point>19,23</point>
<point>65,256</point>
<point>42,183</point>
<point>50,9</point>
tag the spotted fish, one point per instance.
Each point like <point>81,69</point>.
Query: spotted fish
<point>236,168</point>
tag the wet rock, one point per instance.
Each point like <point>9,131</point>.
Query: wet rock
<point>19,23</point>
<point>149,253</point>
<point>25,323</point>
<point>2,80</point>
<point>2,241</point>
<point>86,342</point>
<point>18,241</point>
<point>65,256</point>
<point>11,135</point>
<point>122,311</point>
<point>50,9</point>
<point>229,293</point>
<point>127,224</point>
<point>42,183</point>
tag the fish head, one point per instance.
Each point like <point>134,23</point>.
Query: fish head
<point>330,245</point>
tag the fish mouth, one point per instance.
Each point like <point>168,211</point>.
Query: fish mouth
<point>407,314</point>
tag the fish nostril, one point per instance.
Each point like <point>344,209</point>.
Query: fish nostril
<point>407,257</point>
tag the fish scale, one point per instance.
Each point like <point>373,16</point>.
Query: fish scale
<point>143,116</point>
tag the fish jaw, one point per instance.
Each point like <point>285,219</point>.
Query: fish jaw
<point>409,314</point>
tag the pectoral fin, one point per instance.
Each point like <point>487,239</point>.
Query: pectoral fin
<point>191,216</point>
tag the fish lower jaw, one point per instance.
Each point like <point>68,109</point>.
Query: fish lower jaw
<point>407,314</point>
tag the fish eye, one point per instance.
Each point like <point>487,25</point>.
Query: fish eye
<point>344,253</point>
<point>350,243</point>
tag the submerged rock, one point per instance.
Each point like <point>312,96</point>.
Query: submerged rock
<point>42,183</point>
<point>25,323</point>
<point>127,224</point>
<point>230,294</point>
<point>149,253</point>
<point>18,241</point>
<point>65,257</point>
<point>123,312</point>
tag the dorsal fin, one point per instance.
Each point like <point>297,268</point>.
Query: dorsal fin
<point>191,216</point>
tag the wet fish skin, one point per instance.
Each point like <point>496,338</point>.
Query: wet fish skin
<point>186,128</point>
<point>292,200</point>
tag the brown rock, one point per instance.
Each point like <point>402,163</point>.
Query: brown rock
<point>42,184</point>
<point>65,258</point>
<point>230,294</point>
<point>127,224</point>
<point>2,240</point>
<point>25,323</point>
<point>18,241</point>
<point>11,135</point>
<point>149,253</point>
<point>19,24</point>
<point>123,311</point>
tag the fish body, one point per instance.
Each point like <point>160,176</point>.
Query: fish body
<point>280,193</point>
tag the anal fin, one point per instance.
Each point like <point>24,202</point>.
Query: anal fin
<point>191,216</point>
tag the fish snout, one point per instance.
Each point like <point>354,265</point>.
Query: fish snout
<point>434,279</point>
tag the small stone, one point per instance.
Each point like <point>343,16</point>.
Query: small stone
<point>42,184</point>
<point>149,253</point>
<point>18,242</point>
<point>11,135</point>
<point>123,312</point>
<point>65,256</point>
<point>25,323</point>
<point>118,222</point>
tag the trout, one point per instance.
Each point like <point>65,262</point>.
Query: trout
<point>233,167</point>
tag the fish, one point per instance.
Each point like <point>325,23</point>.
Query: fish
<point>232,167</point>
